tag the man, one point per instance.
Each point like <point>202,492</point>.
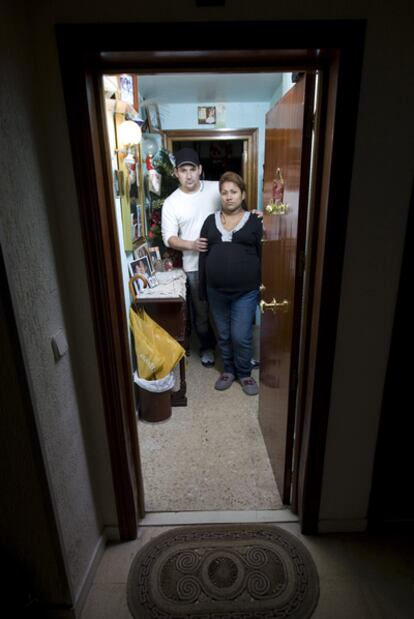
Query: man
<point>183,214</point>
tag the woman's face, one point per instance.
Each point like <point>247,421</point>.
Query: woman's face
<point>231,196</point>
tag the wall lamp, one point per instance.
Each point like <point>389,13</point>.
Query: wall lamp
<point>129,133</point>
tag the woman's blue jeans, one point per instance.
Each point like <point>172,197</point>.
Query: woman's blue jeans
<point>233,316</point>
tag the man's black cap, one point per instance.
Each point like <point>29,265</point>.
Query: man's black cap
<point>186,156</point>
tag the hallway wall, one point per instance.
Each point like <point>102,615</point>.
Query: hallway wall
<point>29,545</point>
<point>41,240</point>
<point>39,290</point>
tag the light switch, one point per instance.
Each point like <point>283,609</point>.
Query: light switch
<point>59,345</point>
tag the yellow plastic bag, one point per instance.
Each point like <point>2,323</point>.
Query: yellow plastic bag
<point>157,351</point>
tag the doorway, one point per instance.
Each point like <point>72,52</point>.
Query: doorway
<point>205,431</point>
<point>285,141</point>
<point>335,48</point>
<point>216,156</point>
<point>218,148</point>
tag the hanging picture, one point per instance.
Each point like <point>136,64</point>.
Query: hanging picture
<point>207,115</point>
<point>128,89</point>
<point>153,118</point>
<point>134,221</point>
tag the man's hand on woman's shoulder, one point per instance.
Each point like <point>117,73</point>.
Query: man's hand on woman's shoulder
<point>258,213</point>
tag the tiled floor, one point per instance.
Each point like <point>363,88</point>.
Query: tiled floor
<point>362,576</point>
<point>209,455</point>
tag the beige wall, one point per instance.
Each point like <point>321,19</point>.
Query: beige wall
<point>65,394</point>
<point>41,241</point>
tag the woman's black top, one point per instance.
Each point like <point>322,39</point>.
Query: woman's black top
<point>232,262</point>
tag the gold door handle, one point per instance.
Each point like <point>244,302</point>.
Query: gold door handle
<point>273,305</point>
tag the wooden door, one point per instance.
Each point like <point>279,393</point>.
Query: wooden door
<point>286,182</point>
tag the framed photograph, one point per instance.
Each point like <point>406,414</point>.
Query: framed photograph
<point>141,266</point>
<point>206,115</point>
<point>142,252</point>
<point>134,222</point>
<point>155,255</point>
<point>153,281</point>
<point>153,118</point>
<point>128,88</point>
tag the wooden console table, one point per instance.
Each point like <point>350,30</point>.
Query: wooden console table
<point>170,312</point>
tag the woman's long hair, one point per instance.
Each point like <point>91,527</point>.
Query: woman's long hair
<point>232,177</point>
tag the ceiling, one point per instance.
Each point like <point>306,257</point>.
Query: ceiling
<point>208,87</point>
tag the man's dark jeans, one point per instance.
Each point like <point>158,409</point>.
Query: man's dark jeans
<point>200,314</point>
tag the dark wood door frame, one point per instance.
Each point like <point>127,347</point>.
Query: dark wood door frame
<point>250,153</point>
<point>334,48</point>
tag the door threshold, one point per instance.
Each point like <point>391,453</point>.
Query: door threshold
<point>217,517</point>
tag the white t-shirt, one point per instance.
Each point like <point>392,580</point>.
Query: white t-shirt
<point>183,214</point>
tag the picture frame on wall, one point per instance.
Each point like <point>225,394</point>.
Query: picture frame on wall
<point>207,115</point>
<point>134,222</point>
<point>153,118</point>
<point>128,89</point>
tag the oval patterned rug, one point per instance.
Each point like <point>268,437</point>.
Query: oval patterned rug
<point>222,572</point>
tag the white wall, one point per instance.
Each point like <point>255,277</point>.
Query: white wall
<point>41,240</point>
<point>230,115</point>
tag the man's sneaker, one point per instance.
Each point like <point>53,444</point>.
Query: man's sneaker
<point>224,381</point>
<point>249,385</point>
<point>207,358</point>
<point>254,363</point>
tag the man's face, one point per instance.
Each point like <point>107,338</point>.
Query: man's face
<point>189,177</point>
